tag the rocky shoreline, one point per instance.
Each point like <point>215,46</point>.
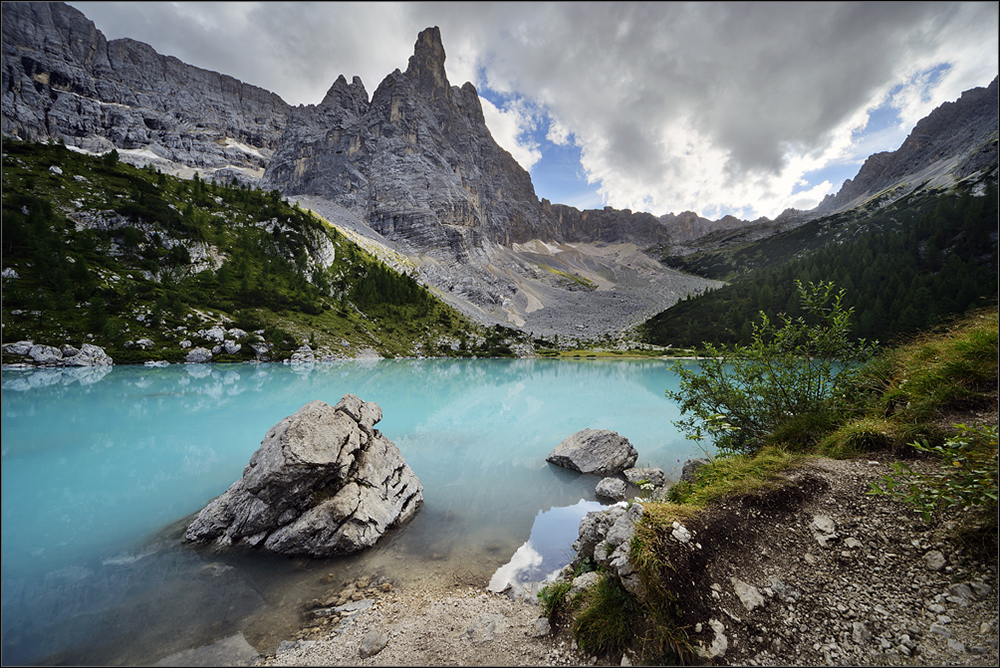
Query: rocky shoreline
<point>836,577</point>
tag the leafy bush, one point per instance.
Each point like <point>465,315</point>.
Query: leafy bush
<point>968,478</point>
<point>741,394</point>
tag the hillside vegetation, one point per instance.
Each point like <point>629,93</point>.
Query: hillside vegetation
<point>906,266</point>
<point>136,261</point>
<point>932,399</point>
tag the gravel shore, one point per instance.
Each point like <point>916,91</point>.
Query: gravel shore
<point>844,579</point>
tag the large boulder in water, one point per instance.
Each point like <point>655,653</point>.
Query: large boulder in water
<point>324,482</point>
<point>597,451</point>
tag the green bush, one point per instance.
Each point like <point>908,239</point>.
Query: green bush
<point>740,394</point>
<point>553,598</point>
<point>967,479</point>
<point>610,620</point>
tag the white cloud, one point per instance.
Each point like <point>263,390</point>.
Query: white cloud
<point>511,128</point>
<point>706,106</point>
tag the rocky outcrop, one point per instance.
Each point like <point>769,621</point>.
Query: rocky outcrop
<point>605,538</point>
<point>29,353</point>
<point>598,451</point>
<point>960,137</point>
<point>324,482</point>
<point>416,161</point>
<point>63,80</point>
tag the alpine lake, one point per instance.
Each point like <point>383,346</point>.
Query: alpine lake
<point>104,467</point>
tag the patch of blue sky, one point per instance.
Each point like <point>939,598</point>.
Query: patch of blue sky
<point>885,120</point>
<point>836,173</point>
<point>558,175</point>
<point>560,178</point>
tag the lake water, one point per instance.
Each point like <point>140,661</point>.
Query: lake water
<point>103,468</point>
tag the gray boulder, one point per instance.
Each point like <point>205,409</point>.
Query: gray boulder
<point>304,355</point>
<point>45,355</point>
<point>690,469</point>
<point>198,355</point>
<point>324,482</point>
<point>611,488</point>
<point>598,451</point>
<point>593,528</point>
<point>653,476</point>
<point>89,355</point>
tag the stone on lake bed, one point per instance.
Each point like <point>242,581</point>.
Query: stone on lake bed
<point>324,482</point>
<point>597,451</point>
<point>611,488</point>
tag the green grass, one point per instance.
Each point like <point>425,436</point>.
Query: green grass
<point>173,256</point>
<point>576,279</point>
<point>904,396</point>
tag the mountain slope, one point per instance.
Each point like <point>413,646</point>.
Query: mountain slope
<point>150,267</point>
<point>905,267</point>
<point>417,172</point>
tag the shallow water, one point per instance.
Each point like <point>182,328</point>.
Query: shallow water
<point>102,468</point>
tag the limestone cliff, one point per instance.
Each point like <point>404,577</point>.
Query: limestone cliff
<point>416,161</point>
<point>62,79</point>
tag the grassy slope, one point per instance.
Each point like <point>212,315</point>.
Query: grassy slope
<point>110,254</point>
<point>916,391</point>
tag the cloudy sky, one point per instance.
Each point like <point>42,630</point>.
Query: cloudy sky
<point>717,108</point>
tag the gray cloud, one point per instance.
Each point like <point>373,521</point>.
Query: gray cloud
<point>668,101</point>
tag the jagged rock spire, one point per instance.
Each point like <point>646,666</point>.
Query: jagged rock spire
<point>426,65</point>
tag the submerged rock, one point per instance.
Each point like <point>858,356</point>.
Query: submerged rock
<point>324,482</point>
<point>611,488</point>
<point>598,451</point>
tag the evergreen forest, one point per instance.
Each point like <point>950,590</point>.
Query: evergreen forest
<point>906,267</point>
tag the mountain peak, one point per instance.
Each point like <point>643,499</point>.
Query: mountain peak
<point>426,65</point>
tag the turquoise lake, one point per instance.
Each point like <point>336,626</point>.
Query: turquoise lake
<point>103,468</point>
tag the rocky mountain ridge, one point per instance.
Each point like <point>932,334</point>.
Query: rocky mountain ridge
<point>62,79</point>
<point>415,163</point>
<point>952,142</point>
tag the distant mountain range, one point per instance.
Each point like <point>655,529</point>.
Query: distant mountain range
<point>414,170</point>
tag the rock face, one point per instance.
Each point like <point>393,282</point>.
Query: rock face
<point>416,161</point>
<point>598,451</point>
<point>956,139</point>
<point>62,79</point>
<point>324,482</point>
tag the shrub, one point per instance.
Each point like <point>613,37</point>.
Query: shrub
<point>553,598</point>
<point>967,479</point>
<point>740,394</point>
<point>609,621</point>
